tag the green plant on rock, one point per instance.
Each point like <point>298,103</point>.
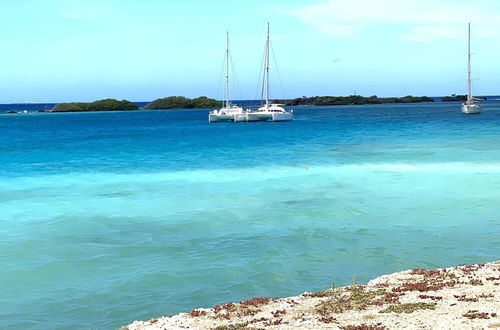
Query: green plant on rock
<point>236,326</point>
<point>354,297</point>
<point>408,308</point>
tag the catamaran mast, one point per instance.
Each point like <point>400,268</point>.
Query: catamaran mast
<point>469,91</point>
<point>267,67</point>
<point>265,77</point>
<point>227,69</point>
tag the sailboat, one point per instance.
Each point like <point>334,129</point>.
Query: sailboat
<point>471,106</point>
<point>229,112</point>
<point>268,111</point>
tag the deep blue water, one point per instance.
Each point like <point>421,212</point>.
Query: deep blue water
<point>110,217</point>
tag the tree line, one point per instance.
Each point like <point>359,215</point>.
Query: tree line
<point>171,102</point>
<point>354,99</point>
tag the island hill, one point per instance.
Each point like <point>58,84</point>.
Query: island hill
<point>354,99</point>
<point>101,105</point>
<point>172,102</point>
<point>203,102</point>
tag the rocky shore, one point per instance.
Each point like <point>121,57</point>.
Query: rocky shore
<point>462,297</point>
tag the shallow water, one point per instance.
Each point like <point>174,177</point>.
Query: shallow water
<point>110,217</point>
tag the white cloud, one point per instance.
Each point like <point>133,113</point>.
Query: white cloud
<point>416,20</point>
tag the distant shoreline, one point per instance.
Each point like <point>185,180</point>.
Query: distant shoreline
<point>175,109</point>
<point>203,103</point>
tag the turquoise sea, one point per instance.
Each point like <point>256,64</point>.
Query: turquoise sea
<point>106,218</point>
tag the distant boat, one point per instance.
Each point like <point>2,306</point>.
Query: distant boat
<point>471,106</point>
<point>268,111</point>
<point>229,112</point>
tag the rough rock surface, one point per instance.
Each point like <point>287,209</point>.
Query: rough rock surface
<point>462,297</point>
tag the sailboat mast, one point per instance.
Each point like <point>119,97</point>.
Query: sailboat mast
<point>267,67</point>
<point>227,69</point>
<point>469,89</point>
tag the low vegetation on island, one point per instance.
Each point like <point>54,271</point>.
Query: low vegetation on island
<point>461,98</point>
<point>181,102</point>
<point>354,99</point>
<point>101,105</point>
<point>454,98</point>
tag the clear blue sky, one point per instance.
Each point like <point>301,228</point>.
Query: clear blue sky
<point>83,50</point>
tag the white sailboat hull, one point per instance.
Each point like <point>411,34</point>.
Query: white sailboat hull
<point>240,117</point>
<point>226,118</point>
<point>472,108</point>
<point>269,116</point>
<point>216,118</point>
<point>262,116</point>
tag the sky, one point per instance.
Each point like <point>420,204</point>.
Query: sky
<point>141,50</point>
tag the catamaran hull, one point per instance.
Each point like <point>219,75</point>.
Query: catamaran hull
<point>269,116</point>
<point>220,118</point>
<point>471,108</point>
<point>240,117</point>
<point>215,118</point>
<point>259,117</point>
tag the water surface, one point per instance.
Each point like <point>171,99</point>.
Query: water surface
<point>110,217</point>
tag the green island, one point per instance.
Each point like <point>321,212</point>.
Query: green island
<point>171,102</point>
<point>203,102</point>
<point>462,98</point>
<point>101,105</point>
<point>454,98</point>
<point>354,99</point>
<point>181,102</point>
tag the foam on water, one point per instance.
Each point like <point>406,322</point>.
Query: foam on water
<point>248,174</point>
<point>128,228</point>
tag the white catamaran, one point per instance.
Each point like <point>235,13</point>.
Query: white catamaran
<point>268,111</point>
<point>471,106</point>
<point>228,112</point>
